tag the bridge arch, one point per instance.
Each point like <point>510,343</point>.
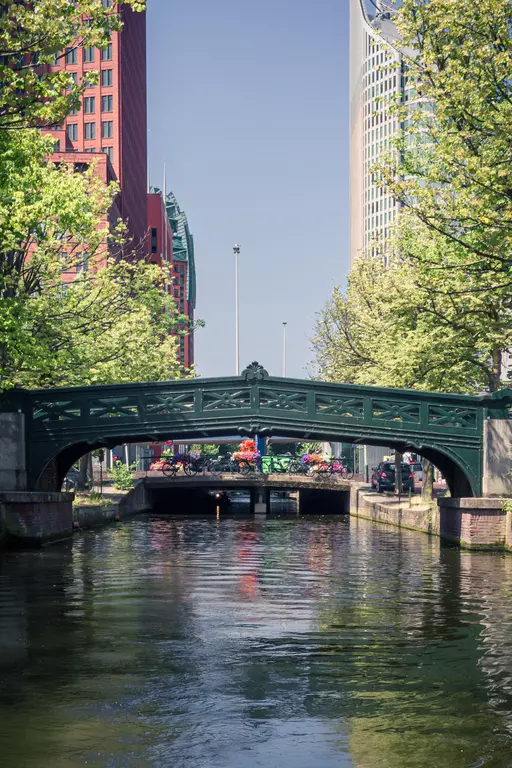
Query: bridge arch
<point>455,470</point>
<point>62,424</point>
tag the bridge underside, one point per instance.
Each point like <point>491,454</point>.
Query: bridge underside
<point>454,461</point>
<point>62,425</point>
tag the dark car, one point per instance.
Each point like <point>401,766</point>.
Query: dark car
<point>383,477</point>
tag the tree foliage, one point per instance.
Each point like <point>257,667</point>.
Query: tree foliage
<point>33,37</point>
<point>453,167</point>
<point>439,316</point>
<point>69,312</point>
<point>72,310</point>
<point>410,324</point>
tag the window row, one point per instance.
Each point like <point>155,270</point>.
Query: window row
<point>107,130</point>
<point>89,55</point>
<point>107,104</point>
<point>106,79</point>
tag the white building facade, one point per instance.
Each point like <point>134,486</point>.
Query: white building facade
<point>375,75</point>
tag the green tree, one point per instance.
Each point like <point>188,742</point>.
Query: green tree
<point>57,325</point>
<point>209,451</point>
<point>453,167</point>
<point>33,36</point>
<point>410,325</point>
<point>72,310</point>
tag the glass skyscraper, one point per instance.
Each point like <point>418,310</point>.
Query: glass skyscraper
<point>376,72</point>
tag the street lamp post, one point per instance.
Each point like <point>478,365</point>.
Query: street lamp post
<point>236,251</point>
<point>284,349</point>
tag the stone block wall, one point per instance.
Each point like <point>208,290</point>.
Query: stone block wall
<point>497,475</point>
<point>13,476</point>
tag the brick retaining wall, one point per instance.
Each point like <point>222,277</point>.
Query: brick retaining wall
<point>35,518</point>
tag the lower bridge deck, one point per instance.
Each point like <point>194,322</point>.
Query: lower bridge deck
<point>232,481</point>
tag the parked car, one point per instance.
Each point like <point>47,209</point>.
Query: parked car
<point>71,480</point>
<point>383,477</point>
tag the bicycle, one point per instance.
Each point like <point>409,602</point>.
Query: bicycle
<point>195,465</point>
<point>298,467</point>
<point>223,464</point>
<point>171,465</point>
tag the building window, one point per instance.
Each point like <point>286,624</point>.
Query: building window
<point>73,76</point>
<point>71,56</point>
<point>109,151</point>
<point>90,105</point>
<point>107,103</point>
<point>154,235</point>
<point>73,132</point>
<point>107,129</point>
<point>90,149</point>
<point>106,77</point>
<point>56,146</point>
<point>82,262</point>
<point>107,3</point>
<point>89,54</point>
<point>90,131</point>
<point>106,53</point>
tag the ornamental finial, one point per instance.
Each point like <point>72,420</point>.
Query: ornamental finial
<point>255,372</point>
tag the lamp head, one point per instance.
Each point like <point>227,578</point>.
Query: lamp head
<point>236,249</point>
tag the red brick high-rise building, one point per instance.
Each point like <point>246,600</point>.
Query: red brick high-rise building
<point>113,118</point>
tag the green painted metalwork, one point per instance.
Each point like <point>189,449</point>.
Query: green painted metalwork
<point>62,424</point>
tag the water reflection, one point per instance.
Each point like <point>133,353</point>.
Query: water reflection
<point>236,642</point>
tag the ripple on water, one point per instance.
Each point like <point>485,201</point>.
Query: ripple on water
<point>290,642</point>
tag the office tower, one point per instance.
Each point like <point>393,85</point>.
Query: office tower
<point>376,73</point>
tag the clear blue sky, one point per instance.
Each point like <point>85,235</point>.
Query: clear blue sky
<point>248,105</point>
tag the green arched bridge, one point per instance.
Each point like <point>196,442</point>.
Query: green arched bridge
<point>60,425</point>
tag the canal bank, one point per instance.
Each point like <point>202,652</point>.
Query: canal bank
<point>471,523</point>
<point>32,520</point>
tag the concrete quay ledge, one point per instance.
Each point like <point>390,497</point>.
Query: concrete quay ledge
<point>35,497</point>
<point>478,523</point>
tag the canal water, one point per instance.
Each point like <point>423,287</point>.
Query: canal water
<point>233,643</point>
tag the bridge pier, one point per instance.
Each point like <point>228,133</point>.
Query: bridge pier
<point>13,470</point>
<point>497,469</point>
<point>260,501</point>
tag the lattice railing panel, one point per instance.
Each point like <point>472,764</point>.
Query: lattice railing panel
<point>462,418</point>
<point>164,405</point>
<point>275,399</point>
<point>63,410</point>
<point>348,407</point>
<point>226,400</point>
<point>113,407</point>
<point>391,410</point>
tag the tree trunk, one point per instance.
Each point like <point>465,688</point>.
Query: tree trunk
<point>427,470</point>
<point>398,473</point>
<point>497,361</point>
